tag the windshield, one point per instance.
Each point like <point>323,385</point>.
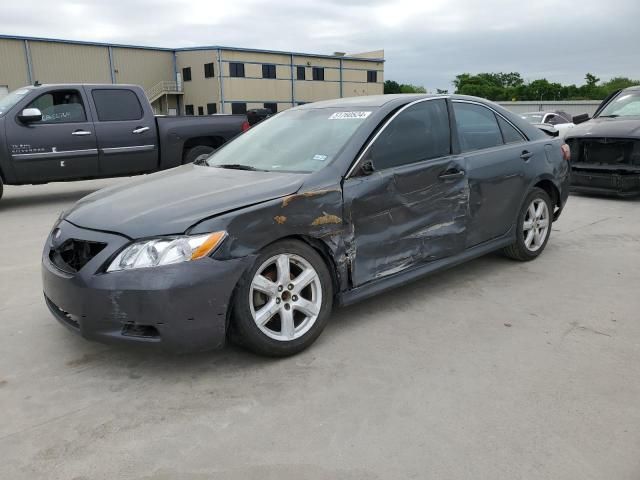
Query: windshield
<point>533,117</point>
<point>625,105</point>
<point>10,100</point>
<point>293,141</point>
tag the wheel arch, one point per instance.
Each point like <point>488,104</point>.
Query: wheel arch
<point>209,141</point>
<point>552,190</point>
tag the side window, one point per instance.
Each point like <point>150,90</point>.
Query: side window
<point>117,105</point>
<point>418,133</point>
<point>509,134</point>
<point>477,127</point>
<point>60,106</point>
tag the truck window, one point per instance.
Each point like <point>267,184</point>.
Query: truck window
<point>60,106</point>
<point>117,105</point>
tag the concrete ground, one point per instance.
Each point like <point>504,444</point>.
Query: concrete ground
<point>492,370</point>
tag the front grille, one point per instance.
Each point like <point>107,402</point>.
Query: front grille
<point>74,254</point>
<point>605,151</point>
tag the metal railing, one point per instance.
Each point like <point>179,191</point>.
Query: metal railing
<point>163,88</point>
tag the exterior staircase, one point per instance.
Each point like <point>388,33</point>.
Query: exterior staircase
<point>166,87</point>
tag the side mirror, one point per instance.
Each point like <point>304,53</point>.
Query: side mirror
<point>583,117</point>
<point>30,115</point>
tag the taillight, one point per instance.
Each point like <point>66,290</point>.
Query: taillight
<point>245,126</point>
<point>566,152</point>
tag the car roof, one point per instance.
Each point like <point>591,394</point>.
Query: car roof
<point>367,101</point>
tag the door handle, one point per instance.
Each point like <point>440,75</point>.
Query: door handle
<point>140,130</point>
<point>81,133</point>
<point>526,155</point>
<point>451,174</point>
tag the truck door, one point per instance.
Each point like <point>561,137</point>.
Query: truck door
<point>61,146</point>
<point>126,132</point>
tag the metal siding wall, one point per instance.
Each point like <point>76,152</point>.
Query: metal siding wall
<point>66,63</point>
<point>200,90</point>
<point>142,67</point>
<point>14,72</point>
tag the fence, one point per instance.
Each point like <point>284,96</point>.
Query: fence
<point>575,107</point>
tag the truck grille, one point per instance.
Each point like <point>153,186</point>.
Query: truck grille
<point>74,254</point>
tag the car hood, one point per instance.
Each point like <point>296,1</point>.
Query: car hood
<point>607,127</point>
<point>170,202</point>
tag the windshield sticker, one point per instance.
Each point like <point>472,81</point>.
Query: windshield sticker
<point>320,158</point>
<point>349,115</point>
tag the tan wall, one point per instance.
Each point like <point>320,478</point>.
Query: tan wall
<point>66,63</point>
<point>233,56</point>
<point>142,67</point>
<point>14,71</point>
<point>310,91</point>
<point>199,91</point>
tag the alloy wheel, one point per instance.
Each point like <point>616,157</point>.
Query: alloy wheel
<point>285,297</point>
<point>536,225</point>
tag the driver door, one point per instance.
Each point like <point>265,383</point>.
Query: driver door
<point>61,146</point>
<point>412,208</point>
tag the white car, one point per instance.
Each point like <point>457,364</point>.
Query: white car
<point>560,120</point>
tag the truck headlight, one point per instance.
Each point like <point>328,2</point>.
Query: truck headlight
<point>166,251</point>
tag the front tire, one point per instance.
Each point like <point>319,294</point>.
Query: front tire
<point>282,303</point>
<point>533,227</point>
<point>196,152</point>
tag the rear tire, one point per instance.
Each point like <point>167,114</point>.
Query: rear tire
<point>533,227</point>
<point>282,304</point>
<point>193,153</point>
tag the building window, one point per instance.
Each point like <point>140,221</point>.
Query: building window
<point>372,76</point>
<point>272,106</point>
<point>209,72</point>
<point>212,108</point>
<point>236,69</point>
<point>239,108</point>
<point>186,74</point>
<point>200,110</point>
<point>318,73</point>
<point>301,73</point>
<point>188,109</point>
<point>268,71</point>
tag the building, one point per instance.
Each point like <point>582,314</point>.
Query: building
<point>195,80</point>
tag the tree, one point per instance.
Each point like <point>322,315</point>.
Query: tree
<point>391,86</point>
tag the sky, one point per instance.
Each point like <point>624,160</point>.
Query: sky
<point>426,42</point>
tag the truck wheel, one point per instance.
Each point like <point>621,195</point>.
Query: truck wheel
<point>533,227</point>
<point>194,153</point>
<point>282,304</point>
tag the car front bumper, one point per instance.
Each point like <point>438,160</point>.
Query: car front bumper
<point>178,308</point>
<point>602,182</point>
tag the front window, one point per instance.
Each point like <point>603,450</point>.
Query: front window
<point>60,106</point>
<point>6,103</point>
<point>627,104</point>
<point>292,141</point>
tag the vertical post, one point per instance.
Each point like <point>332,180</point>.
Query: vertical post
<point>111,67</point>
<point>220,80</point>
<point>27,53</point>
<point>341,78</point>
<point>293,95</point>
<point>178,85</point>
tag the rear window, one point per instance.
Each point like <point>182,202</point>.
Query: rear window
<point>117,105</point>
<point>477,127</point>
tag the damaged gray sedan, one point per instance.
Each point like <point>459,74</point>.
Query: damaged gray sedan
<point>321,205</point>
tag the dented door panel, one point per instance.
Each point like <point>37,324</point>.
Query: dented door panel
<point>405,216</point>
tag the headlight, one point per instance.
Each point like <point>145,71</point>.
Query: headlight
<point>166,251</point>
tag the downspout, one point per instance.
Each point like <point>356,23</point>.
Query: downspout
<point>341,78</point>
<point>175,78</point>
<point>27,54</point>
<point>220,80</point>
<point>111,68</point>
<point>293,96</point>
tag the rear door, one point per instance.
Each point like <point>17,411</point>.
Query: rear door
<point>126,132</point>
<point>62,146</point>
<point>413,207</point>
<point>496,155</point>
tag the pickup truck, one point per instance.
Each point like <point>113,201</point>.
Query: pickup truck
<point>79,131</point>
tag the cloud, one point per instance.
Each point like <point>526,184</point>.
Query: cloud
<point>426,42</point>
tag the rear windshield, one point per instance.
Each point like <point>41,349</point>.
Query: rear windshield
<point>6,103</point>
<point>294,141</point>
<point>625,105</point>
